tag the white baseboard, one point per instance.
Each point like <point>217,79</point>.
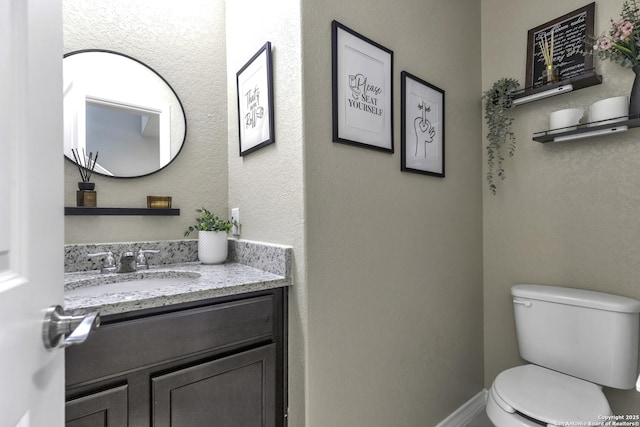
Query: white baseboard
<point>464,414</point>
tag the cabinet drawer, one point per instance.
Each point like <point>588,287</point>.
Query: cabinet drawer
<point>118,348</point>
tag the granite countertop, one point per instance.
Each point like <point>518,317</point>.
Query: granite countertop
<point>88,291</point>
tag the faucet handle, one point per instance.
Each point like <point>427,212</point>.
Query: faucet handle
<point>141,260</point>
<point>109,263</point>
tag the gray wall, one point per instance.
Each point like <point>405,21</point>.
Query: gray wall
<point>388,308</point>
<point>567,213</point>
<point>268,185</point>
<point>385,309</point>
<point>185,43</point>
<point>394,275</point>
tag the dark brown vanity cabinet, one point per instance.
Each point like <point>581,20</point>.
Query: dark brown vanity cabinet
<point>218,362</point>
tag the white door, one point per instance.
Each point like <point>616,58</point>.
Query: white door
<point>31,210</point>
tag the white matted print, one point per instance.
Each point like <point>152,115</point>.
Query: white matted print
<point>362,90</point>
<point>255,101</point>
<point>422,117</point>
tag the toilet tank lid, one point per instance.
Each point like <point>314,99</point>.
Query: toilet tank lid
<point>577,297</point>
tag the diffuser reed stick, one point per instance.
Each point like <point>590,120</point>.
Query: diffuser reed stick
<point>547,48</point>
<point>85,165</point>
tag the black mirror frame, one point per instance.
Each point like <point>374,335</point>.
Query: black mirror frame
<point>184,115</point>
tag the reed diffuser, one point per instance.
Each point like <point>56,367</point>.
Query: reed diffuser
<point>86,195</point>
<point>550,72</point>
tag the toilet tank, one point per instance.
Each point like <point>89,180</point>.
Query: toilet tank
<point>586,334</point>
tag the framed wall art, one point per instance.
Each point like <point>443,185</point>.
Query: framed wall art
<point>362,90</point>
<point>422,133</point>
<point>255,102</point>
<point>564,37</point>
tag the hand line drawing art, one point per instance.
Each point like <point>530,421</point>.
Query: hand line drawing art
<point>425,131</point>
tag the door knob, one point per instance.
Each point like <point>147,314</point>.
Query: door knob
<point>60,330</point>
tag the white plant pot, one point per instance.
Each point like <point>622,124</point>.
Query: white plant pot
<point>212,247</point>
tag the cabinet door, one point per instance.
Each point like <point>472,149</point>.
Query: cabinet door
<point>103,409</point>
<point>236,391</point>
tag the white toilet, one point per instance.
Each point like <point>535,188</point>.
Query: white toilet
<point>578,341</point>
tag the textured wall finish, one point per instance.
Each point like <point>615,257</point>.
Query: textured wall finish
<point>567,214</point>
<point>267,185</point>
<point>185,43</point>
<point>394,275</point>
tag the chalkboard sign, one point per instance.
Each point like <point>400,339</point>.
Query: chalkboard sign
<point>569,32</point>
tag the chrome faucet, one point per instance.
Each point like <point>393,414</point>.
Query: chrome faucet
<point>127,262</point>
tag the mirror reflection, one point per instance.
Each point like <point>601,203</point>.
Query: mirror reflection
<point>123,109</point>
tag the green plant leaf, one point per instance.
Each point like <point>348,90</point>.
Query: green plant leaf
<point>209,222</point>
<point>498,105</point>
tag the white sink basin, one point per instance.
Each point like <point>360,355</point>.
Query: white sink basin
<point>128,282</point>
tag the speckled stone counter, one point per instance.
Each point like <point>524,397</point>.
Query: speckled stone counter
<point>251,266</point>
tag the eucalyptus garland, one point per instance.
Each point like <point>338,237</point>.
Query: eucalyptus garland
<point>497,113</point>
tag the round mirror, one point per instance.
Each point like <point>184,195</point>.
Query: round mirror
<point>122,112</point>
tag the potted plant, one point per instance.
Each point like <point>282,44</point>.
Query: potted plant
<point>621,45</point>
<point>497,113</point>
<point>212,237</point>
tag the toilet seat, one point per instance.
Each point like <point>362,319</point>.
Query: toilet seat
<point>549,396</point>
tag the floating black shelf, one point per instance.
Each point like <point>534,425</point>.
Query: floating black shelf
<point>70,210</point>
<point>588,130</point>
<point>588,78</point>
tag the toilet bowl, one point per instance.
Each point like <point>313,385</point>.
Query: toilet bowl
<point>563,384</point>
<point>531,396</point>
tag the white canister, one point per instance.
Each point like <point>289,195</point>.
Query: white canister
<point>609,110</point>
<point>565,120</point>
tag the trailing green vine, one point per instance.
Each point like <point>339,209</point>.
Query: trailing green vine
<point>497,113</point>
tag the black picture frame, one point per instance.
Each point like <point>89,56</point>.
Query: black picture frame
<point>362,90</point>
<point>422,111</point>
<point>569,34</point>
<point>254,84</point>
